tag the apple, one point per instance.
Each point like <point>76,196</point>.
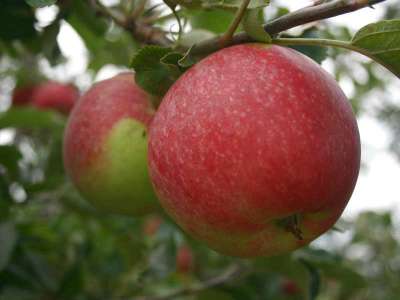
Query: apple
<point>254,150</point>
<point>54,95</point>
<point>290,287</point>
<point>105,147</point>
<point>184,260</point>
<point>23,95</point>
<point>152,225</point>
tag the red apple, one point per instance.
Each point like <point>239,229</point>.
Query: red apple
<point>105,147</point>
<point>152,225</point>
<point>290,287</point>
<point>254,150</point>
<point>23,95</point>
<point>54,95</point>
<point>184,260</point>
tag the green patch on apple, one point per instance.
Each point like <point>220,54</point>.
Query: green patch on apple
<point>121,182</point>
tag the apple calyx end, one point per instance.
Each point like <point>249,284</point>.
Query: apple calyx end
<point>292,225</point>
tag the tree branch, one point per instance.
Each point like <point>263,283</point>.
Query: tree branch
<point>139,8</point>
<point>230,273</point>
<point>302,16</point>
<point>148,34</point>
<point>142,32</point>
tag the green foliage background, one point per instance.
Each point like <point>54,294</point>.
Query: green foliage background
<point>53,245</point>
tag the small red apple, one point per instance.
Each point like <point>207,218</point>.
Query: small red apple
<point>105,147</point>
<point>23,95</point>
<point>254,150</point>
<point>151,225</point>
<point>184,260</point>
<point>290,287</point>
<point>54,95</point>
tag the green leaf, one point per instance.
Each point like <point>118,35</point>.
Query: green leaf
<point>5,197</point>
<point>8,239</point>
<point>4,189</point>
<point>253,25</point>
<point>17,20</point>
<point>31,118</point>
<point>215,20</point>
<point>9,156</point>
<point>40,3</point>
<point>315,279</point>
<point>117,51</point>
<point>332,266</point>
<point>381,41</point>
<point>187,60</point>
<point>42,269</point>
<point>156,69</point>
<point>86,22</point>
<point>213,294</point>
<point>171,60</point>
<point>48,43</point>
<point>318,256</point>
<point>194,37</point>
<point>178,61</point>
<point>72,282</point>
<point>106,45</point>
<point>14,293</point>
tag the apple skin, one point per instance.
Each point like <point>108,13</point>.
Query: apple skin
<point>23,95</point>
<point>248,140</point>
<point>105,147</point>
<point>54,95</point>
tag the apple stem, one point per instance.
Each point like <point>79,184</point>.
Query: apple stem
<point>227,37</point>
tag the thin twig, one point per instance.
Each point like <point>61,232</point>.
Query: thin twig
<point>230,274</point>
<point>106,12</point>
<point>139,9</point>
<point>158,18</point>
<point>290,20</point>
<point>180,26</point>
<point>225,39</point>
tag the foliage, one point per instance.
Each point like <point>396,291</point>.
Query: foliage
<point>53,245</point>
<point>381,40</point>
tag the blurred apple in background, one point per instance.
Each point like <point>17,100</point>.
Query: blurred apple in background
<point>105,147</point>
<point>184,260</point>
<point>54,95</point>
<point>23,95</point>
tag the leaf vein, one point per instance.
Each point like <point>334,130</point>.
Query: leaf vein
<point>357,39</point>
